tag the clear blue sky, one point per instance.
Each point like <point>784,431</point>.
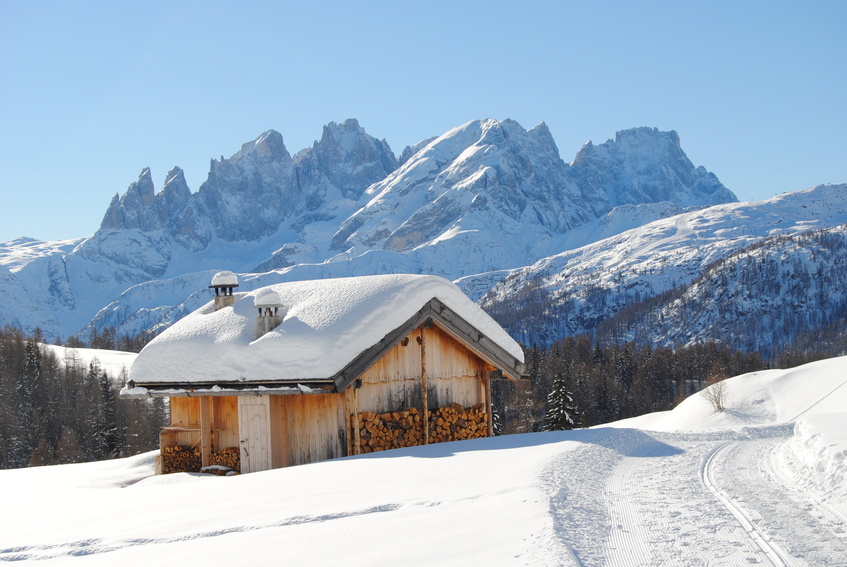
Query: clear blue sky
<point>92,92</point>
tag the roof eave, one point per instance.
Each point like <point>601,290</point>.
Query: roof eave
<point>196,389</point>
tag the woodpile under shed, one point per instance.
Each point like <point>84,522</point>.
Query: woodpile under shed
<point>188,459</point>
<point>404,428</point>
<point>180,459</point>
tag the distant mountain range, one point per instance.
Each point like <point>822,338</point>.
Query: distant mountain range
<point>476,204</point>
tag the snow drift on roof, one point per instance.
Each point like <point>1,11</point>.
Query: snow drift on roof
<point>327,324</point>
<point>225,278</point>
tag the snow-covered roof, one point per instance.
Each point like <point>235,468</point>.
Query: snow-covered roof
<point>327,324</point>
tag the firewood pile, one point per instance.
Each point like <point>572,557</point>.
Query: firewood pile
<point>391,430</point>
<point>455,423</point>
<point>394,430</point>
<point>230,457</point>
<point>187,459</point>
<point>180,459</point>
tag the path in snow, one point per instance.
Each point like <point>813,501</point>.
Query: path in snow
<point>792,532</point>
<point>689,499</point>
<point>749,519</point>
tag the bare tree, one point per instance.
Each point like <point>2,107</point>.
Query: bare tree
<point>717,394</point>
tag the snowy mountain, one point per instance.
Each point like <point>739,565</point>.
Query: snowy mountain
<point>484,197</point>
<point>786,291</point>
<point>578,290</point>
<point>764,482</point>
<point>581,290</point>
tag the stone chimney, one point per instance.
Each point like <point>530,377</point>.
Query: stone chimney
<point>223,283</point>
<point>269,304</point>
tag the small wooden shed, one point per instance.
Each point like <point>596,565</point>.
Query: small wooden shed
<point>305,371</point>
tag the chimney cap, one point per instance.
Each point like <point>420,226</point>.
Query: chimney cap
<point>267,298</point>
<point>224,279</point>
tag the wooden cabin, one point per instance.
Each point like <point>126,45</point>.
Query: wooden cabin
<point>301,372</point>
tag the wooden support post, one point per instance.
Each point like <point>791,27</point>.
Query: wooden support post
<point>206,445</point>
<point>424,393</point>
<point>357,434</point>
<point>349,416</point>
<point>488,405</point>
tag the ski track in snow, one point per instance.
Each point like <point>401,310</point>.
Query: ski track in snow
<point>752,522</point>
<point>688,500</point>
<point>747,474</point>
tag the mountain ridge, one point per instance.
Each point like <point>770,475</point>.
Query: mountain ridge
<point>485,196</point>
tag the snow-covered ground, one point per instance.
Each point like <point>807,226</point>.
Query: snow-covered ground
<point>764,482</point>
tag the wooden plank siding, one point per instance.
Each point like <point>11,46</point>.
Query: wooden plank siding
<point>185,414</point>
<point>226,422</point>
<point>453,375</point>
<point>306,429</point>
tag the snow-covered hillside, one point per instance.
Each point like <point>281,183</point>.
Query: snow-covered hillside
<point>764,482</point>
<point>578,289</point>
<point>483,197</point>
<point>114,362</point>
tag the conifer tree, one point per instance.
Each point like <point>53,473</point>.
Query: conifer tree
<point>562,413</point>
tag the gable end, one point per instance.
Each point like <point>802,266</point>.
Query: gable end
<point>438,313</point>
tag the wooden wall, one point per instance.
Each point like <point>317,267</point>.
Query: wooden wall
<point>185,414</point>
<point>308,428</point>
<point>454,375</point>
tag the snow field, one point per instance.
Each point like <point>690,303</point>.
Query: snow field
<point>762,483</point>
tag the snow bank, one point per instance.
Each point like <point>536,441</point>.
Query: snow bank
<point>812,396</point>
<point>820,447</point>
<point>326,324</point>
<point>769,397</point>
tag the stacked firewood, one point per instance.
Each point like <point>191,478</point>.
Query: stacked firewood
<point>391,430</point>
<point>404,428</point>
<point>180,459</point>
<point>187,459</point>
<point>230,457</point>
<point>455,422</point>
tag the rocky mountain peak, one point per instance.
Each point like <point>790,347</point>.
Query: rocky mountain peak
<point>346,156</point>
<point>646,135</point>
<point>484,168</point>
<point>268,145</point>
<point>175,194</point>
<point>126,211</point>
<point>646,165</point>
<point>175,178</point>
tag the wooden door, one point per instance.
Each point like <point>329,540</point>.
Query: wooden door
<point>254,433</point>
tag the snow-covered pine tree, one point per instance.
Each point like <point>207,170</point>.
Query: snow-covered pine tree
<point>562,413</point>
